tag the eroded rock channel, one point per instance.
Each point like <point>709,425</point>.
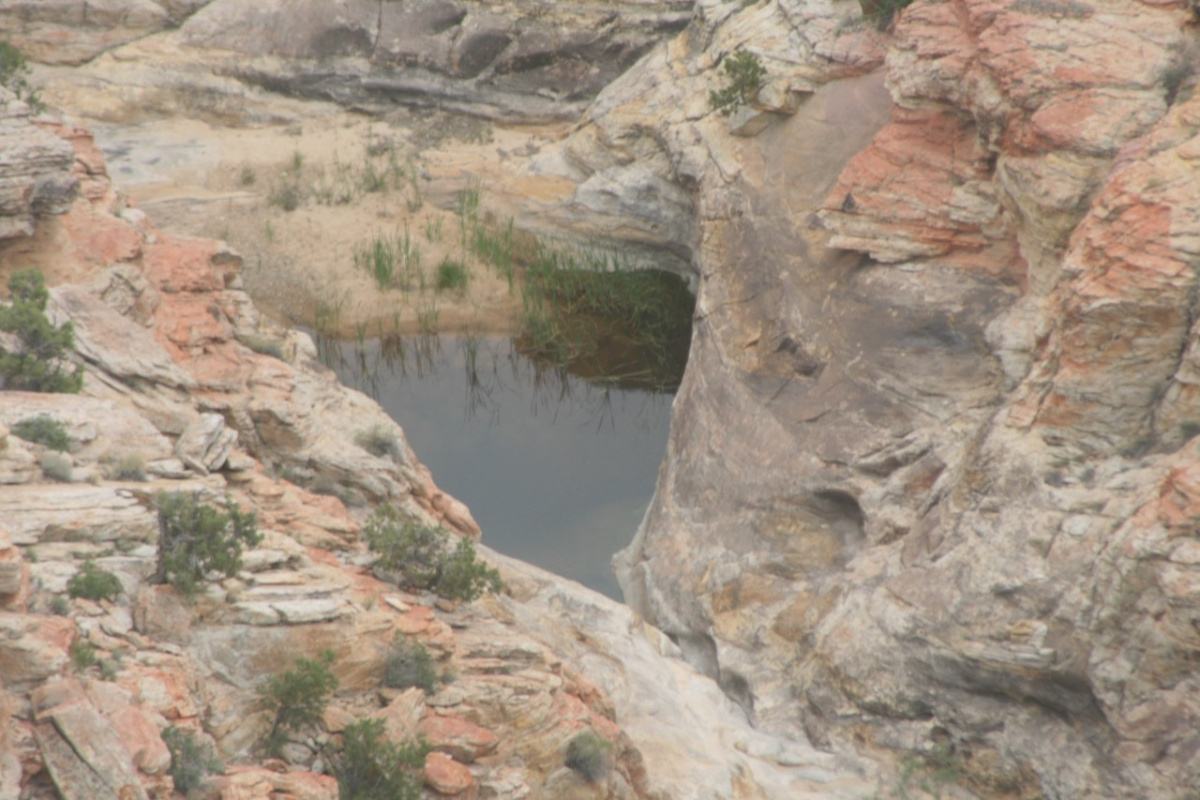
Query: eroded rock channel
<point>926,520</point>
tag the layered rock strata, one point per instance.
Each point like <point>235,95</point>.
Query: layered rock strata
<point>173,401</point>
<point>911,497</point>
<point>502,60</point>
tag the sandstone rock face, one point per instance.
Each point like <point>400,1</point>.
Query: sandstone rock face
<point>519,61</point>
<point>167,380</point>
<point>908,493</point>
<point>75,31</point>
<point>37,177</point>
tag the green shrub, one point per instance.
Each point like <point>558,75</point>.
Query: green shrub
<point>464,576</point>
<point>14,76</point>
<point>38,365</point>
<point>410,664</point>
<point>196,538</point>
<point>130,467</point>
<point>56,466</point>
<point>44,430</point>
<point>380,441</point>
<point>93,583</point>
<point>590,755</point>
<point>286,195</point>
<point>191,758</point>
<point>298,697</point>
<point>421,557</point>
<point>744,75</point>
<point>882,12</point>
<point>83,654</point>
<point>451,276</point>
<point>369,767</point>
<point>60,606</point>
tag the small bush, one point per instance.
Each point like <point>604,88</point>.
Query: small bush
<point>590,754</point>
<point>298,697</point>
<point>247,176</point>
<point>130,467</point>
<point>369,767</point>
<point>420,556</point>
<point>882,12</point>
<point>451,276</point>
<point>409,664</point>
<point>379,441</point>
<point>57,466</point>
<point>191,759</point>
<point>464,576</point>
<point>44,430</point>
<point>196,538</point>
<point>286,196</point>
<point>38,365</point>
<point>14,76</point>
<point>93,583</point>
<point>83,654</point>
<point>60,606</point>
<point>744,75</point>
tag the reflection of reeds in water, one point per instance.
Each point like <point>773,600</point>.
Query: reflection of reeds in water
<point>492,367</point>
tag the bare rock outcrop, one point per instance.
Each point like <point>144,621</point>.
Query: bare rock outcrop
<point>37,177</point>
<point>517,61</point>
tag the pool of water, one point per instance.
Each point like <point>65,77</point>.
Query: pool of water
<point>557,471</point>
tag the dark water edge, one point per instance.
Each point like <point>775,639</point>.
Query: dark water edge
<point>557,471</point>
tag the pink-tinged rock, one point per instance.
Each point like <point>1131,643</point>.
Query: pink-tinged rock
<point>921,190</point>
<point>415,621</point>
<point>103,239</point>
<point>140,738</point>
<point>455,514</point>
<point>402,716</point>
<point>14,575</point>
<point>464,740</point>
<point>177,264</point>
<point>448,777</point>
<point>164,688</point>
<point>259,783</point>
<point>33,646</point>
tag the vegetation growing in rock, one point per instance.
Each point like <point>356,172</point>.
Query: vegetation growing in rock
<point>197,538</point>
<point>44,430</point>
<point>410,664</point>
<point>744,75</point>
<point>369,767</point>
<point>590,755</point>
<point>56,466</point>
<point>298,697</point>
<point>191,758</point>
<point>14,76</point>
<point>420,556</point>
<point>129,467</point>
<point>380,441</point>
<point>93,583</point>
<point>882,12</point>
<point>38,364</point>
<point>83,654</point>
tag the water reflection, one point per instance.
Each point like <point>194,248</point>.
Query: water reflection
<point>557,470</point>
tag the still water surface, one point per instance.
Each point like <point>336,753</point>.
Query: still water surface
<point>558,472</point>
